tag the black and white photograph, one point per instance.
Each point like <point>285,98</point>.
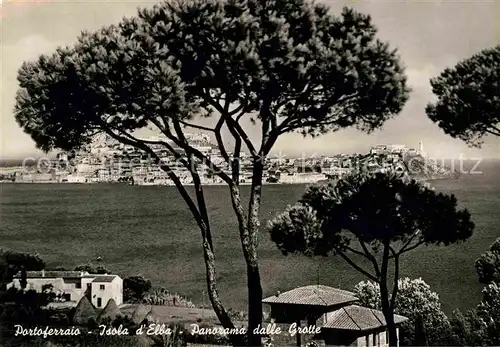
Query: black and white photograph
<point>250,173</point>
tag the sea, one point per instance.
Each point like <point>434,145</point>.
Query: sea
<point>149,231</point>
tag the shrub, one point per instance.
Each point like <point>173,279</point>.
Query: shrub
<point>488,264</point>
<point>92,269</point>
<point>134,288</point>
<point>415,300</point>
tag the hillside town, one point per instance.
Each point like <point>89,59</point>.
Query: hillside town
<point>108,161</point>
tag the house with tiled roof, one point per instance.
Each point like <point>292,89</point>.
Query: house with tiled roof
<point>340,321</point>
<point>73,285</point>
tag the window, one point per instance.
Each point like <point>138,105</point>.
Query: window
<point>374,339</point>
<point>78,285</point>
<point>101,287</point>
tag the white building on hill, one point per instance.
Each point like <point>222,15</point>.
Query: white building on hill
<point>73,285</point>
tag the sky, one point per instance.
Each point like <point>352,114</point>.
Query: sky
<point>429,35</point>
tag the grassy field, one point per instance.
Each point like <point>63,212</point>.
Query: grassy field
<point>149,231</point>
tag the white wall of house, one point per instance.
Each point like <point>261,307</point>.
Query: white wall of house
<point>37,284</point>
<point>102,292</point>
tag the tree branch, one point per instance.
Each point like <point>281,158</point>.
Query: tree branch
<point>182,143</point>
<point>220,142</point>
<point>412,247</point>
<point>357,267</point>
<point>294,123</point>
<point>493,131</point>
<point>195,126</point>
<point>202,206</point>
<point>355,251</point>
<point>204,228</point>
<point>406,244</point>
<point>371,257</point>
<point>230,122</point>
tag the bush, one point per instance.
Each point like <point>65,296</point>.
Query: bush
<point>12,262</point>
<point>415,300</point>
<point>92,269</point>
<point>134,288</point>
<point>488,311</point>
<point>165,298</point>
<point>466,329</point>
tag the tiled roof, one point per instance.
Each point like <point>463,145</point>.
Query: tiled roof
<point>104,278</point>
<point>313,295</point>
<point>355,317</point>
<point>52,274</point>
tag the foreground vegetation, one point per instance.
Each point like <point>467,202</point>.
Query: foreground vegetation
<point>377,217</point>
<point>31,309</point>
<point>428,324</point>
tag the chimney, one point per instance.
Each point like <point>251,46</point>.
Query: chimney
<point>81,273</point>
<point>43,273</point>
<point>278,293</point>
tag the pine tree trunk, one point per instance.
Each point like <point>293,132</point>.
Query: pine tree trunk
<point>213,294</point>
<point>254,305</point>
<point>387,308</point>
<point>251,243</point>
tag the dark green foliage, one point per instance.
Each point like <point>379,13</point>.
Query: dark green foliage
<point>163,297</point>
<point>489,311</point>
<point>92,269</point>
<point>290,66</point>
<point>134,288</point>
<point>12,262</point>
<point>416,301</point>
<point>479,327</point>
<point>316,71</point>
<point>468,105</point>
<point>372,209</point>
<point>467,329</point>
<point>488,265</point>
<point>378,217</point>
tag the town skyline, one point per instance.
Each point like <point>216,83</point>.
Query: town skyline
<point>29,29</point>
